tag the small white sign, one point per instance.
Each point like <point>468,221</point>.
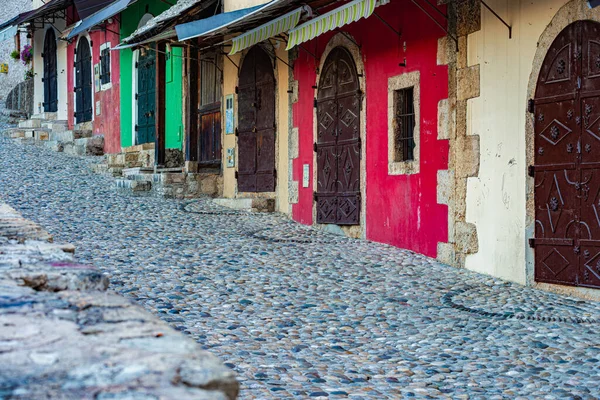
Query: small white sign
<point>305,175</point>
<point>98,108</point>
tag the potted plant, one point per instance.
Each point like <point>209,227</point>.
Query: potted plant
<point>15,55</point>
<point>29,74</point>
<point>27,54</point>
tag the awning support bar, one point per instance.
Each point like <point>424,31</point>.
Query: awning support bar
<point>229,58</point>
<point>437,22</point>
<point>500,18</point>
<point>387,24</point>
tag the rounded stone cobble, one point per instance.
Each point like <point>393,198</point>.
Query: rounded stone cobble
<point>301,313</point>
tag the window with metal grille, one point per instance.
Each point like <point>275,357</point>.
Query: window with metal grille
<point>404,127</point>
<point>105,66</point>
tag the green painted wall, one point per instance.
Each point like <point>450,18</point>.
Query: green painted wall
<point>130,19</point>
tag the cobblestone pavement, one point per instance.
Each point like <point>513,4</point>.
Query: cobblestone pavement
<point>300,313</point>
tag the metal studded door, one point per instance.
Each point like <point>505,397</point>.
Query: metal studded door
<point>256,123</point>
<point>338,141</point>
<point>146,98</point>
<point>83,82</point>
<point>567,159</point>
<point>50,73</point>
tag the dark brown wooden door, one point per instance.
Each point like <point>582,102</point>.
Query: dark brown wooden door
<point>83,82</point>
<point>338,141</point>
<point>50,73</point>
<point>256,123</point>
<point>567,159</point>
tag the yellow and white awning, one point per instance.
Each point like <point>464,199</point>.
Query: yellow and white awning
<point>331,20</point>
<point>266,31</point>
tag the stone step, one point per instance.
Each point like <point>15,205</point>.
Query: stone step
<point>55,145</point>
<point>56,126</point>
<point>70,136</point>
<point>30,123</point>
<point>17,133</point>
<point>133,185</point>
<point>94,145</point>
<point>48,116</point>
<point>84,126</point>
<point>249,204</point>
<point>137,171</point>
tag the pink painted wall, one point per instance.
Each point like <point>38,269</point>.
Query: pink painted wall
<point>401,210</point>
<point>108,122</point>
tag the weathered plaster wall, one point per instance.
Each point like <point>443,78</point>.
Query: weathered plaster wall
<point>401,210</point>
<point>232,5</point>
<point>107,122</point>
<point>16,69</point>
<point>496,198</point>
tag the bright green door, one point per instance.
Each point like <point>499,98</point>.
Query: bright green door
<point>146,98</point>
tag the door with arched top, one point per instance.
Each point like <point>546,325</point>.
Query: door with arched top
<point>338,143</point>
<point>83,82</point>
<point>50,72</point>
<point>256,123</point>
<point>567,159</point>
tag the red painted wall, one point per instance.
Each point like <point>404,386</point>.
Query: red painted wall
<point>401,210</point>
<point>108,122</point>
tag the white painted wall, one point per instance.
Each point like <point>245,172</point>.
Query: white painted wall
<point>496,199</point>
<point>38,63</point>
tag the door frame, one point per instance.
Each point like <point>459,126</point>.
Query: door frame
<point>565,16</point>
<point>342,40</point>
<point>270,50</point>
<point>134,79</point>
<point>89,40</point>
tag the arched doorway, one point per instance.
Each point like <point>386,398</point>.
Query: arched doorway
<point>50,73</point>
<point>146,97</point>
<point>83,82</point>
<point>338,144</point>
<point>256,123</point>
<point>567,159</point>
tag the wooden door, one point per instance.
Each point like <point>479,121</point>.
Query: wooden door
<point>50,78</point>
<point>209,111</point>
<point>256,123</point>
<point>338,141</point>
<point>83,82</point>
<point>146,98</point>
<point>567,159</point>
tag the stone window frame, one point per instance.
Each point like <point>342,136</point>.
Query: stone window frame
<point>106,86</point>
<point>399,82</point>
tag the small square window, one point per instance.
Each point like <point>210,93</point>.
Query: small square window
<point>404,128</point>
<point>403,123</point>
<point>105,72</point>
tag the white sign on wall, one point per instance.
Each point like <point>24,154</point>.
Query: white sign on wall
<point>305,175</point>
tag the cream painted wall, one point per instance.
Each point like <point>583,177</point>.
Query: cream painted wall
<point>230,80</point>
<point>232,5</point>
<point>38,69</point>
<point>496,199</point>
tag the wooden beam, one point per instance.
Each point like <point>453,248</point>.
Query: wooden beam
<point>160,121</point>
<point>192,107</point>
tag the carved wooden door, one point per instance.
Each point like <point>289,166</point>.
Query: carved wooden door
<point>567,159</point>
<point>83,82</point>
<point>338,141</point>
<point>256,123</point>
<point>50,73</point>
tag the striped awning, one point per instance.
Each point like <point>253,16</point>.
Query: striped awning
<point>268,30</point>
<point>331,20</point>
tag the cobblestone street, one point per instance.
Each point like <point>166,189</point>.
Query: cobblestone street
<point>301,313</point>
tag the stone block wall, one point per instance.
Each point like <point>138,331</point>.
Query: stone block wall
<point>16,69</point>
<point>20,98</point>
